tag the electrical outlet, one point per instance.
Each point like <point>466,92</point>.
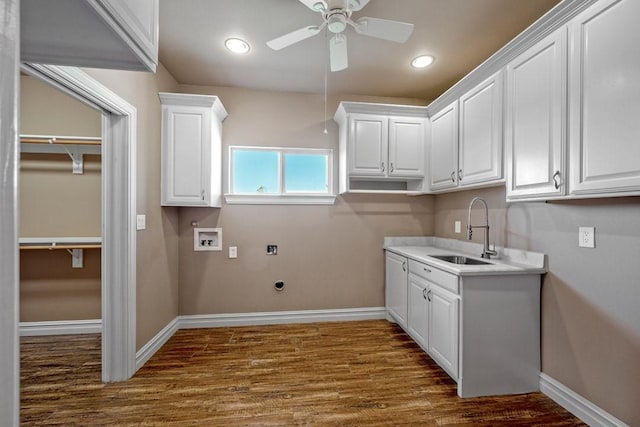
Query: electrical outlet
<point>587,237</point>
<point>233,252</point>
<point>458,227</point>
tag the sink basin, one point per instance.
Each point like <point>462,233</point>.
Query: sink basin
<point>458,259</point>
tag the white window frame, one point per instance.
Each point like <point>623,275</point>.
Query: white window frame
<point>282,197</point>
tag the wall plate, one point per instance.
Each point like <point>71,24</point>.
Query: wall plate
<point>207,239</point>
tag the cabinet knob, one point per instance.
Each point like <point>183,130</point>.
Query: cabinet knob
<point>459,174</point>
<point>382,167</point>
<point>556,179</point>
<point>453,176</point>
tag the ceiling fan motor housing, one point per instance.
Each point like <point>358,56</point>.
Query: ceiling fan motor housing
<point>337,21</point>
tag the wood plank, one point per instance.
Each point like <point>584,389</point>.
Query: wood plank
<point>327,374</point>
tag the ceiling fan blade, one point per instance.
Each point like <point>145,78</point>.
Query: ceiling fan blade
<point>293,37</point>
<point>315,5</point>
<point>394,31</point>
<point>356,5</point>
<point>338,52</point>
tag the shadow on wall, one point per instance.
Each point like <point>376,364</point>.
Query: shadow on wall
<point>593,345</point>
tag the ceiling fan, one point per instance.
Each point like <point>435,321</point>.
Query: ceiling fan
<point>336,15</point>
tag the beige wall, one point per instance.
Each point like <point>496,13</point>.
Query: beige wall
<point>54,202</point>
<point>157,246</point>
<point>328,256</point>
<point>590,315</point>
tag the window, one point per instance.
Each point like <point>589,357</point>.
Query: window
<point>280,176</point>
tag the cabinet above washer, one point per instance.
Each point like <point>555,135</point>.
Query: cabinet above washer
<point>382,147</point>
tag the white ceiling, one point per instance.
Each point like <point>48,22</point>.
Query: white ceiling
<point>461,34</point>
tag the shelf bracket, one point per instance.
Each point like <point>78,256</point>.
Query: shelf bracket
<point>77,257</point>
<point>77,158</point>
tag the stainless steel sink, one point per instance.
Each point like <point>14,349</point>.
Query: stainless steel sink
<point>459,259</point>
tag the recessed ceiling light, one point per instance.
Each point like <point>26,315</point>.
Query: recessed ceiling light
<point>237,45</point>
<point>422,61</point>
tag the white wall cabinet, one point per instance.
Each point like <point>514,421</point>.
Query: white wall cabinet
<point>418,311</point>
<point>396,288</point>
<point>191,150</point>
<point>535,120</point>
<point>466,139</point>
<point>382,147</point>
<point>116,34</point>
<point>604,90</point>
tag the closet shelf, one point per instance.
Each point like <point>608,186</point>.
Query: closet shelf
<point>52,139</point>
<point>74,245</point>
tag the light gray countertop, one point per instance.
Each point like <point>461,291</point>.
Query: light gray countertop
<point>508,261</point>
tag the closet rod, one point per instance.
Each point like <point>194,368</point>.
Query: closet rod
<point>72,140</point>
<point>63,246</point>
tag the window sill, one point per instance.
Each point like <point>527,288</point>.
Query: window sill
<point>285,199</point>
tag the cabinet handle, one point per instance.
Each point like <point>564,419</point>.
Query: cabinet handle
<point>460,175</point>
<point>391,166</point>
<point>453,176</point>
<point>556,182</point>
<point>424,293</point>
<point>403,266</point>
<point>202,194</point>
<point>382,167</point>
<point>426,269</point>
<point>429,295</point>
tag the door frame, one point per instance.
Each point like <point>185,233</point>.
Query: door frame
<point>118,212</point>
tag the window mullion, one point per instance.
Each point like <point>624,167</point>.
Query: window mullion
<point>281,152</point>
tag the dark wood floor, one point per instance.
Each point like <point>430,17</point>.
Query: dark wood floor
<point>324,374</point>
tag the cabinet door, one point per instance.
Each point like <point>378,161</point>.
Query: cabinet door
<point>368,145</point>
<point>535,115</point>
<point>417,311</point>
<point>480,155</point>
<point>443,148</point>
<point>406,147</point>
<point>186,156</point>
<point>396,288</point>
<point>604,89</point>
<point>443,328</point>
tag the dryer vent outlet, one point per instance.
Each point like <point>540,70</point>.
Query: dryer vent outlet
<point>279,285</point>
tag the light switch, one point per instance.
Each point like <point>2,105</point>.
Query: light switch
<point>458,227</point>
<point>141,222</point>
<point>233,252</point>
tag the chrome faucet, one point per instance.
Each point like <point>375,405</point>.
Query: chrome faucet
<point>486,253</point>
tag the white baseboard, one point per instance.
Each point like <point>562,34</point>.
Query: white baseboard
<point>280,317</point>
<point>155,343</point>
<point>577,405</point>
<point>61,327</point>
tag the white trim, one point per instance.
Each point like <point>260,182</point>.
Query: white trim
<point>278,199</point>
<point>119,121</point>
<point>155,343</point>
<point>280,317</point>
<point>576,404</point>
<point>61,327</point>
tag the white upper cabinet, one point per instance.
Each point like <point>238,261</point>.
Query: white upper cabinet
<point>443,148</point>
<point>191,150</point>
<point>604,95</point>
<point>535,120</point>
<point>118,34</point>
<point>480,145</point>
<point>382,147</point>
<point>369,145</point>
<point>466,139</point>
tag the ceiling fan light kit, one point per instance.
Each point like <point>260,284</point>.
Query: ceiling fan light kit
<point>336,17</point>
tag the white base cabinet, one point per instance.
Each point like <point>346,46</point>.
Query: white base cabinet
<point>191,150</point>
<point>484,331</point>
<point>396,288</point>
